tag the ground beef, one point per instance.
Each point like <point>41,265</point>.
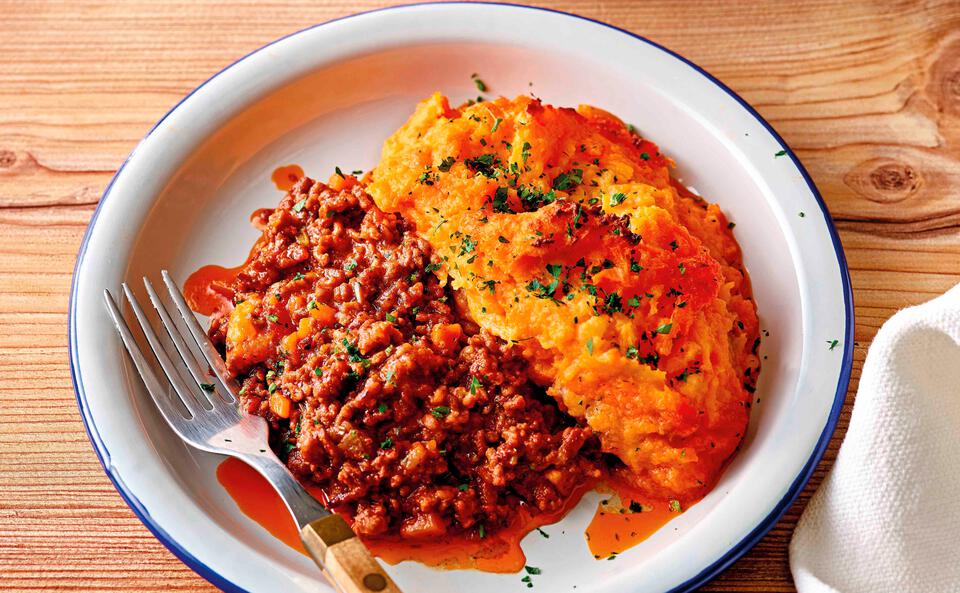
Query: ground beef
<point>378,389</point>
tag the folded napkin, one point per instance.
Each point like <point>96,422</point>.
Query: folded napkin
<point>887,518</point>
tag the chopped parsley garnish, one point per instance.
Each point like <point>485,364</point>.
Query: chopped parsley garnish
<point>387,443</point>
<point>463,487</point>
<point>298,276</point>
<point>673,245</point>
<point>350,265</point>
<point>612,303</point>
<point>467,245</point>
<point>445,164</point>
<point>480,84</point>
<point>833,343</point>
<point>474,383</point>
<point>390,317</point>
<point>617,199</point>
<point>590,346</point>
<point>490,285</point>
<point>207,386</point>
<point>632,352</point>
<point>388,379</point>
<point>780,153</point>
<point>569,180</point>
<point>496,124</point>
<point>675,506</point>
<point>502,239</point>
<point>440,412</point>
<point>318,371</point>
<point>545,291</point>
<point>382,407</point>
<point>500,201</point>
<point>682,268</point>
<point>635,265</point>
<point>633,301</point>
<point>427,177</point>
<point>664,328</point>
<point>299,205</point>
<point>271,388</point>
<point>525,151</point>
<point>273,318</point>
<point>353,352</point>
<point>533,198</point>
<point>531,569</point>
<point>482,531</point>
<point>645,156</point>
<point>484,164</point>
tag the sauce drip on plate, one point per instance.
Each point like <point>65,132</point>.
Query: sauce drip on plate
<point>285,177</point>
<point>499,552</point>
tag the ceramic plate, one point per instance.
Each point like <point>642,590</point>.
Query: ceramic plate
<point>329,96</point>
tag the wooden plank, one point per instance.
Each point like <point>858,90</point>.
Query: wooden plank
<point>869,97</point>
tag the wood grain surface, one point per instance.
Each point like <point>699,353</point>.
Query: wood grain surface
<point>868,93</point>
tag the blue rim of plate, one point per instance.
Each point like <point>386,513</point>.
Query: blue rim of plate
<point>718,566</point>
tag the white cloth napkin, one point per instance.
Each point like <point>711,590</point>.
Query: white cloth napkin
<point>887,518</point>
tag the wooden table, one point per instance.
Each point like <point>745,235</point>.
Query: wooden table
<point>867,93</point>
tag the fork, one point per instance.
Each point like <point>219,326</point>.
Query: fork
<point>205,414</point>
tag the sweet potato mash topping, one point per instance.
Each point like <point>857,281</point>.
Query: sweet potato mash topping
<point>563,233</point>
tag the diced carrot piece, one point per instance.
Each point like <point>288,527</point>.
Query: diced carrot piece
<point>280,405</point>
<point>325,314</point>
<point>445,336</point>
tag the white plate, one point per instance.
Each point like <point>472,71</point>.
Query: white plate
<point>329,96</point>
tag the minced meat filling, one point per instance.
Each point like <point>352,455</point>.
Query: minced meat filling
<point>412,420</point>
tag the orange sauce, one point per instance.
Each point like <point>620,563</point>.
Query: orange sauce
<point>612,533</point>
<point>499,552</point>
<point>285,177</point>
<point>616,528</point>
<point>206,289</point>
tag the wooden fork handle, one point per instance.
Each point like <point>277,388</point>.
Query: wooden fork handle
<point>343,558</point>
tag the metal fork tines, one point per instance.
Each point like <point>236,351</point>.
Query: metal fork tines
<point>202,409</point>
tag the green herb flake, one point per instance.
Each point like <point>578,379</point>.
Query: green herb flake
<point>390,317</point>
<point>496,124</point>
<point>645,156</point>
<point>298,276</point>
<point>833,343</point>
<point>273,318</point>
<point>664,328</point>
<point>590,346</point>
<point>633,301</point>
<point>440,412</point>
<point>481,86</point>
<point>207,386</point>
<point>617,199</point>
<point>675,506</point>
<point>543,533</point>
<point>569,180</point>
<point>531,569</point>
<point>387,443</point>
<point>445,164</point>
<point>474,383</point>
<point>780,153</point>
<point>463,487</point>
<point>382,407</point>
<point>299,205</point>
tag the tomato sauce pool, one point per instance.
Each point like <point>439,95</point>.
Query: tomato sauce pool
<point>499,552</point>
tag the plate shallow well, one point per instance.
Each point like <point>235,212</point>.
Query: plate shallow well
<point>328,96</point>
